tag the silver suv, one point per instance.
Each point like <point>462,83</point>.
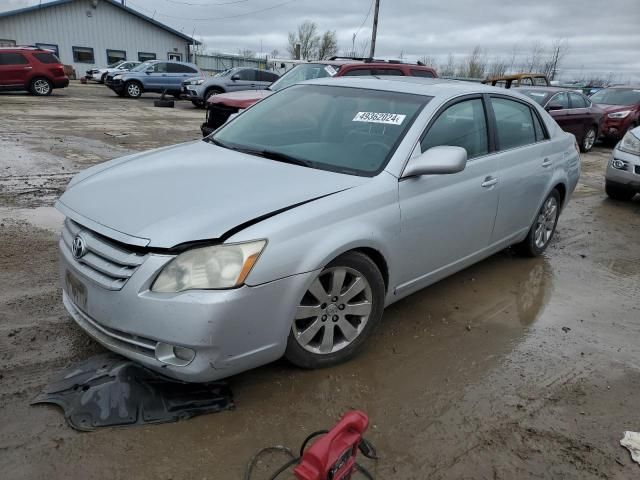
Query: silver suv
<point>622,180</point>
<point>198,90</point>
<point>290,229</point>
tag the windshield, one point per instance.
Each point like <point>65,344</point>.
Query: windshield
<point>226,72</point>
<point>540,96</point>
<point>343,129</point>
<point>306,71</point>
<point>114,65</point>
<point>617,96</point>
<point>141,67</point>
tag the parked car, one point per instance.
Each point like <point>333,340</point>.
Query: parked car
<point>156,76</point>
<point>221,107</point>
<point>100,74</point>
<point>33,69</point>
<point>518,80</point>
<point>288,230</point>
<point>622,107</point>
<point>231,80</point>
<point>622,179</point>
<point>574,112</point>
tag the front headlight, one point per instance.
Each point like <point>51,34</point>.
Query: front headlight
<point>215,267</point>
<point>630,144</point>
<point>117,77</point>
<point>199,82</point>
<point>622,114</point>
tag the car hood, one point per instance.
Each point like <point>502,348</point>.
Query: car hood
<point>242,99</point>
<point>190,192</point>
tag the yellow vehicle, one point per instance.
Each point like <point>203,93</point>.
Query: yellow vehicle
<point>519,80</point>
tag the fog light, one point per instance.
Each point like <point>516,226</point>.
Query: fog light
<point>174,354</point>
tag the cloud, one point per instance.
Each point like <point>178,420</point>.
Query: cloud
<point>602,37</point>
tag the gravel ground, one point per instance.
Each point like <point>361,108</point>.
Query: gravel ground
<point>514,368</point>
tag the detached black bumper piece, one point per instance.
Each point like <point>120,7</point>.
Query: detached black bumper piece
<point>217,115</point>
<point>92,395</point>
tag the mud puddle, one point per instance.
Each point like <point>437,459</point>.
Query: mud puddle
<point>47,218</point>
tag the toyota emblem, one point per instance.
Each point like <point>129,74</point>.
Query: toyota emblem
<point>79,247</point>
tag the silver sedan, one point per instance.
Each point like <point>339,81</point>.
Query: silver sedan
<point>290,228</point>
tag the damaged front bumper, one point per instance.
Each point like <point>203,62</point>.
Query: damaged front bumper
<point>194,336</point>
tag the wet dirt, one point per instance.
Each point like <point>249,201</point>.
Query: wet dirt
<point>513,368</point>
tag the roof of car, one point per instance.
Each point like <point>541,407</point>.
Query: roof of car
<point>545,89</point>
<point>415,85</point>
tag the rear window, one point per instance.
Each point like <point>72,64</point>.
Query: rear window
<point>422,73</point>
<point>12,59</point>
<point>46,57</point>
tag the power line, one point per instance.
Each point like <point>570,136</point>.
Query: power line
<point>364,21</point>
<point>217,18</point>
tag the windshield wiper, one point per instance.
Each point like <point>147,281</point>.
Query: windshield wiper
<point>270,154</point>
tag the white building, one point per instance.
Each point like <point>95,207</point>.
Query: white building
<point>93,33</point>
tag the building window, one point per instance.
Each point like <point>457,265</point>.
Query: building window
<point>146,56</point>
<point>174,56</point>
<point>83,55</point>
<point>49,46</point>
<point>5,42</point>
<point>115,56</point>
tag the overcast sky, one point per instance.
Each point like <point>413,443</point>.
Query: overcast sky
<point>602,36</point>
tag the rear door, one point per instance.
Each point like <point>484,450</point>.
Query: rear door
<point>563,115</point>
<point>263,79</point>
<point>446,218</point>
<point>14,69</point>
<point>178,73</point>
<point>526,165</point>
<point>580,114</point>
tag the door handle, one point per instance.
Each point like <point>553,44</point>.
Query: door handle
<point>547,163</point>
<point>28,68</point>
<point>489,182</point>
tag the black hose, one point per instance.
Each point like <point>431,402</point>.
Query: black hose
<point>252,462</point>
<point>309,437</point>
<point>284,468</point>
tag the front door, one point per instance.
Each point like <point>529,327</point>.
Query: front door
<point>158,80</point>
<point>447,218</point>
<point>246,80</point>
<point>14,69</point>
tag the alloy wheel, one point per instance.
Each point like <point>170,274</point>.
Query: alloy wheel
<point>133,90</point>
<point>334,311</point>
<point>41,87</point>
<point>589,139</point>
<point>546,222</point>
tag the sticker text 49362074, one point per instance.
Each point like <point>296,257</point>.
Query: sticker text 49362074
<point>375,117</point>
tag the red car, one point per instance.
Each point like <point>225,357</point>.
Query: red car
<point>622,107</point>
<point>221,107</point>
<point>573,111</point>
<point>33,69</point>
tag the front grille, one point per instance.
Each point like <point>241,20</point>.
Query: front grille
<point>107,264</point>
<point>217,115</point>
<point>108,335</point>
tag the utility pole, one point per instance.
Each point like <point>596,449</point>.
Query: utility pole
<point>375,30</point>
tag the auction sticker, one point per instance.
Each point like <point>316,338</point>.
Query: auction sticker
<point>375,117</point>
<point>330,70</point>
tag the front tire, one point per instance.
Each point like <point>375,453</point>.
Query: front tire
<point>339,311</point>
<point>103,78</point>
<point>543,228</point>
<point>588,139</point>
<point>133,89</point>
<point>618,193</point>
<point>40,87</point>
<point>210,93</point>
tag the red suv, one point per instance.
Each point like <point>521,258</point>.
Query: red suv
<point>622,107</point>
<point>221,107</point>
<point>30,68</point>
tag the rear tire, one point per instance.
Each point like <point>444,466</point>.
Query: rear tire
<point>619,193</point>
<point>588,139</point>
<point>40,87</point>
<point>543,228</point>
<point>210,93</point>
<point>133,89</point>
<point>103,78</point>
<point>338,313</point>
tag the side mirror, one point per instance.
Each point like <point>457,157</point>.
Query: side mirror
<point>235,77</point>
<point>437,160</point>
<point>553,107</point>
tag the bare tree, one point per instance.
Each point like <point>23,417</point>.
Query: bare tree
<point>308,39</point>
<point>533,60</point>
<point>274,53</point>
<point>497,68</point>
<point>428,60</point>
<point>449,68</point>
<point>246,53</point>
<point>362,49</point>
<point>558,51</point>
<point>328,45</point>
<point>475,65</point>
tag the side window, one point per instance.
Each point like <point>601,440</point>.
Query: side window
<point>540,132</point>
<point>389,71</point>
<point>421,73</point>
<point>46,46</point>
<point>461,125</point>
<point>160,67</point>
<point>272,77</point>
<point>359,72</point>
<point>180,68</point>
<point>248,75</point>
<point>560,99</point>
<point>577,100</point>
<point>13,59</point>
<point>514,123</point>
<point>46,58</point>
